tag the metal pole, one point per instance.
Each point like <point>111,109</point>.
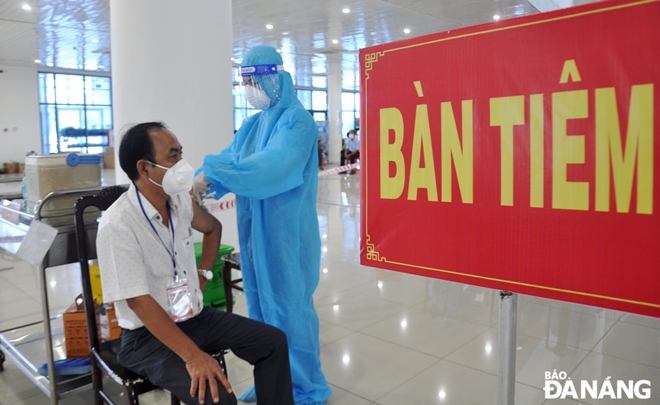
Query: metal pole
<point>506,371</point>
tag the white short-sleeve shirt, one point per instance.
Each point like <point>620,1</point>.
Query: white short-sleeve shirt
<point>134,261</point>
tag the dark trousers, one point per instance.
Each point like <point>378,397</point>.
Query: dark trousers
<point>353,156</point>
<point>263,346</point>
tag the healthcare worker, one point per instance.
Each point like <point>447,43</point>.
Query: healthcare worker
<point>272,167</point>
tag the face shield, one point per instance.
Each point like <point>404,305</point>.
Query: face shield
<point>262,85</point>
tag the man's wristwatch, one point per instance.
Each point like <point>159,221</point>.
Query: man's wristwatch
<point>207,274</point>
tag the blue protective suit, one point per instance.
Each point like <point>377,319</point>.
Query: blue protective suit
<point>272,168</point>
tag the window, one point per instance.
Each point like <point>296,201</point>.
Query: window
<point>314,100</point>
<point>350,111</point>
<point>76,112</point>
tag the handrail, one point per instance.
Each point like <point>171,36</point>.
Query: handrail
<point>54,194</point>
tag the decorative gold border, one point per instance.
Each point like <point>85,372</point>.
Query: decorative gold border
<point>372,254</point>
<point>564,17</point>
<point>371,58</point>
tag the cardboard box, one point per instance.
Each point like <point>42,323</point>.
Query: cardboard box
<point>109,158</point>
<point>77,347</point>
<point>76,338</point>
<point>74,316</point>
<point>107,322</point>
<point>95,281</point>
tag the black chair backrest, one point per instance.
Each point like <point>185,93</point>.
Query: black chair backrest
<point>103,200</point>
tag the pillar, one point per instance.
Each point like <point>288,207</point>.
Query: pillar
<point>334,107</point>
<point>171,62</point>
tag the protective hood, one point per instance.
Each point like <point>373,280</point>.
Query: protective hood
<point>267,55</point>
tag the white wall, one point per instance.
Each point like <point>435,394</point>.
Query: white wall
<point>20,130</point>
<point>171,62</point>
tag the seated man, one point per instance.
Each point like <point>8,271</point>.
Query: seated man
<point>352,150</point>
<point>147,262</point>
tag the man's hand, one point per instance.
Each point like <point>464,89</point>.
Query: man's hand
<point>204,370</point>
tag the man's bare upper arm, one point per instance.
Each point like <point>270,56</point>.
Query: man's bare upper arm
<point>203,221</point>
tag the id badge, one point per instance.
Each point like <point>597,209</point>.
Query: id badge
<point>178,295</point>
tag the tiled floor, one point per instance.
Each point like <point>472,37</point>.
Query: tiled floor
<point>396,339</point>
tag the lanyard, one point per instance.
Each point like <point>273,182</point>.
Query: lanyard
<point>154,228</point>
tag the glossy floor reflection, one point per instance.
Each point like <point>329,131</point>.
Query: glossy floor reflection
<point>396,339</point>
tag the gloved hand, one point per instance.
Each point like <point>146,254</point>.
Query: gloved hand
<point>200,187</point>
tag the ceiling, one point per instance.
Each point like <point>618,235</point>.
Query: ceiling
<point>75,34</point>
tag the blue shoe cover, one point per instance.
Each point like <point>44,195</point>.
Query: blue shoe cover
<point>68,367</point>
<point>249,396</point>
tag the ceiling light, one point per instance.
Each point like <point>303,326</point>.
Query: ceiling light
<point>406,31</point>
<point>37,61</point>
<point>101,66</point>
<point>62,52</point>
<point>269,26</point>
<point>346,11</point>
<point>26,7</point>
<point>95,40</point>
<point>334,41</point>
<point>496,17</point>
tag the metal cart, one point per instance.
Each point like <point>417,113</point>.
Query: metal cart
<point>11,186</point>
<point>31,344</point>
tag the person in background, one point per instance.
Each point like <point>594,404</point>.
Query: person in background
<point>272,167</point>
<point>352,150</point>
<point>146,257</point>
<point>321,146</point>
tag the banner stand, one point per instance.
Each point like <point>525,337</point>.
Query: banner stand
<point>506,372</point>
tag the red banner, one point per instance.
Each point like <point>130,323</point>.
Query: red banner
<point>520,155</point>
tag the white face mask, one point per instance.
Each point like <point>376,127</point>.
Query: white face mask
<point>257,97</point>
<point>177,179</point>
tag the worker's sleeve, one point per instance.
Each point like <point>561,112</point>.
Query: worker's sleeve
<point>275,169</point>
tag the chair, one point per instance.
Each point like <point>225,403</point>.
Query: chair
<point>232,261</point>
<point>104,355</point>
